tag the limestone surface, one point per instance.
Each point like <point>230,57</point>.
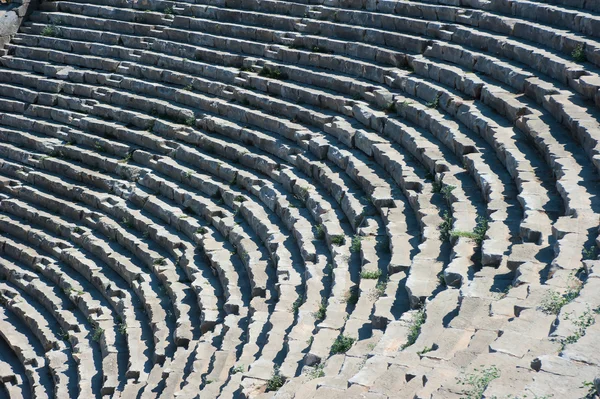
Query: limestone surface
<point>300,199</point>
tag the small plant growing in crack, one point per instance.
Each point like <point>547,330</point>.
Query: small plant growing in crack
<point>477,382</point>
<point>445,226</point>
<point>319,232</point>
<point>370,274</point>
<point>98,332</point>
<point>316,372</point>
<point>391,108</point>
<point>99,148</point>
<point>50,31</point>
<point>425,350</point>
<point>356,243</point>
<point>322,311</point>
<point>478,233</point>
<point>434,104</point>
<point>441,278</point>
<point>416,323</point>
<point>590,252</point>
<point>273,73</point>
<point>436,187</point>
<point>379,290</point>
<point>581,322</point>
<point>64,335</point>
<point>592,390</point>
<point>578,53</point>
<point>238,369</point>
<point>553,302</point>
<point>296,305</point>
<point>342,344</point>
<point>446,192</point>
<point>338,240</point>
<point>302,193</point>
<point>276,381</point>
<point>127,222</point>
<point>351,296</point>
<point>127,158</point>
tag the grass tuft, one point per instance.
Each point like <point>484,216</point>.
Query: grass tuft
<point>50,31</point>
<point>445,227</point>
<point>322,311</point>
<point>98,331</point>
<point>434,104</point>
<point>592,390</point>
<point>238,369</point>
<point>316,372</point>
<point>447,192</point>
<point>380,289</point>
<point>578,53</point>
<point>415,328</point>
<point>272,73</point>
<point>477,382</point>
<point>338,240</point>
<point>276,381</point>
<point>581,322</point>
<point>351,296</point>
<point>370,274</point>
<point>553,302</point>
<point>342,344</point>
<point>478,233</point>
<point>296,305</point>
<point>319,232</point>
<point>425,350</point>
<point>590,252</point>
<point>356,243</point>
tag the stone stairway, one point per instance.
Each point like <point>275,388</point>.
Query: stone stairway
<point>299,199</point>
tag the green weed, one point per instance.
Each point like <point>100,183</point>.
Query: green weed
<point>276,381</point>
<point>316,372</point>
<point>338,239</point>
<point>445,227</point>
<point>578,53</point>
<point>477,382</point>
<point>415,328</point>
<point>370,274</point>
<point>434,104</point>
<point>50,31</point>
<point>356,243</point>
<point>342,344</point>
<point>319,232</point>
<point>322,311</point>
<point>98,331</point>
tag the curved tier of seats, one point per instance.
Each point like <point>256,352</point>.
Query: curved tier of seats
<point>300,199</point>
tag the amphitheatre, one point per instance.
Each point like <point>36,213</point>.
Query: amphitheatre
<point>300,199</point>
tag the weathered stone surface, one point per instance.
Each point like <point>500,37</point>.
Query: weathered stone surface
<point>350,198</point>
